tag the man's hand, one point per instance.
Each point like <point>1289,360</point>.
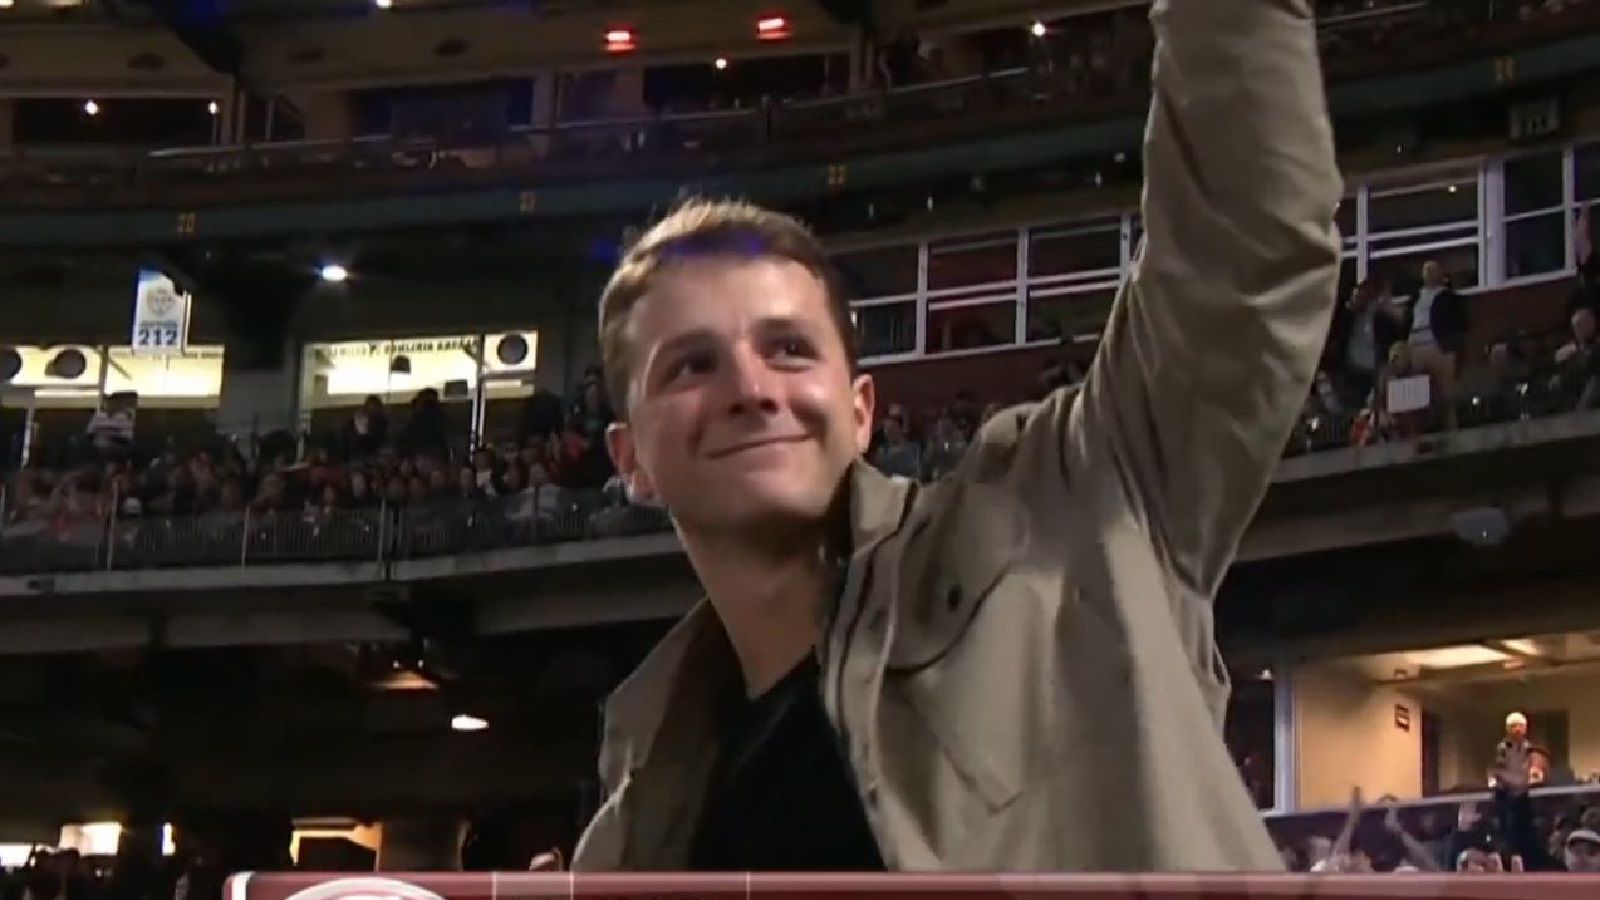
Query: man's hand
<point>1391,821</point>
<point>548,861</point>
<point>1511,772</point>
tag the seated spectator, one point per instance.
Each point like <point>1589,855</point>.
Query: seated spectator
<point>111,428</point>
<point>1578,360</point>
<point>896,453</point>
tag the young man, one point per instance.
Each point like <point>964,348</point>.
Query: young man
<point>1014,668</point>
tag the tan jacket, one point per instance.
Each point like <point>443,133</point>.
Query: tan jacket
<point>1021,664</point>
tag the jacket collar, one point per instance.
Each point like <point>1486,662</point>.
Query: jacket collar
<point>684,677</point>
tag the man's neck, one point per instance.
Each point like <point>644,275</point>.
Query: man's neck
<point>768,600</point>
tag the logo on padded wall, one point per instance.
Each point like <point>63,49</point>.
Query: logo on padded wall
<point>364,889</point>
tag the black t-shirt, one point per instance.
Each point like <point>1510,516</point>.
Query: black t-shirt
<point>781,798</point>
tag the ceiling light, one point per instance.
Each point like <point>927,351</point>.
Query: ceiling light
<point>383,4</point>
<point>721,63</point>
<point>211,107</point>
<point>619,40</point>
<point>91,108</point>
<point>772,28</point>
<point>7,4</point>
<point>333,273</point>
<point>1037,29</point>
<point>464,722</point>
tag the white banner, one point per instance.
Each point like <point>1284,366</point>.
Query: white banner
<point>160,315</point>
<point>1413,393</point>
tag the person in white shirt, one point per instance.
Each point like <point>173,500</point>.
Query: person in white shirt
<point>1438,329</point>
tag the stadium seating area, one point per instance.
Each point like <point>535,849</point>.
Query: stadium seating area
<point>406,483</point>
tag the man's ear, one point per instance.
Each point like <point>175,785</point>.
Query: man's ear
<point>619,442</point>
<point>865,400</point>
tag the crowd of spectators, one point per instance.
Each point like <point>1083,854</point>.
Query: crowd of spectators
<point>1398,366</point>
<point>408,482</point>
<point>1516,829</point>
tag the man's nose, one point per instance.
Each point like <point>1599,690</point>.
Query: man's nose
<point>751,383</point>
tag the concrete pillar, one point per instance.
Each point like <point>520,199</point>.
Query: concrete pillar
<point>8,121</point>
<point>627,93</point>
<point>327,113</point>
<point>261,363</point>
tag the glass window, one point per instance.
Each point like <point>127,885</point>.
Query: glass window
<point>889,271</point>
<point>195,374</point>
<point>1251,734</point>
<point>1346,219</point>
<point>1442,201</point>
<point>886,329</point>
<point>971,327</point>
<point>1533,182</point>
<point>1069,315</point>
<point>1586,162</point>
<point>1403,269</point>
<point>1347,277</point>
<point>1536,245</point>
<point>1075,248</point>
<point>989,259</point>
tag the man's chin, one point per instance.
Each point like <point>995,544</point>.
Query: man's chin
<point>754,512</point>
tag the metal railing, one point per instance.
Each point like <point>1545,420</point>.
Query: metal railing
<point>822,130</point>
<point>253,536</point>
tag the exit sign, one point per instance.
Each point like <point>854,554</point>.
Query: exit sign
<point>1536,120</point>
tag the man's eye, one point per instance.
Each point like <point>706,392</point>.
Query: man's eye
<point>693,364</point>
<point>792,347</point>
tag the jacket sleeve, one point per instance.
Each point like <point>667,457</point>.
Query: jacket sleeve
<point>1214,340</point>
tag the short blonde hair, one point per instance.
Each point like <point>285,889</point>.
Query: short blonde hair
<point>708,228</point>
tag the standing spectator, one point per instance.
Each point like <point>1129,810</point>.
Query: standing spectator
<point>427,431</point>
<point>367,430</point>
<point>1438,329</point>
<point>1586,294</point>
<point>1363,330</point>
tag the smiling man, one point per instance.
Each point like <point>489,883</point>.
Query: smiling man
<point>1013,668</point>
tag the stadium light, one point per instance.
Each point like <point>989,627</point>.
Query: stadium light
<point>619,40</point>
<point>772,28</point>
<point>465,722</point>
<point>333,273</point>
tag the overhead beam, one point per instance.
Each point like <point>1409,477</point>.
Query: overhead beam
<point>203,29</point>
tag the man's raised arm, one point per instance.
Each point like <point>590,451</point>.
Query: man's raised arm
<point>1213,343</point>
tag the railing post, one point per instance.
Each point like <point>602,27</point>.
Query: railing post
<point>244,539</point>
<point>109,527</point>
<point>383,528</point>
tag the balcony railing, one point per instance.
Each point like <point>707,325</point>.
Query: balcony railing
<point>824,130</point>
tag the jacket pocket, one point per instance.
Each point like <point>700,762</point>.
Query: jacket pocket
<point>947,568</point>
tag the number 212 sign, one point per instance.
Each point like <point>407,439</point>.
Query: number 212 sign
<point>160,314</point>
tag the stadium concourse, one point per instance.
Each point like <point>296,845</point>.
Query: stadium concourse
<point>204,578</point>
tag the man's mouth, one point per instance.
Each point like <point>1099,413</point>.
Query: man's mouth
<point>736,449</point>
